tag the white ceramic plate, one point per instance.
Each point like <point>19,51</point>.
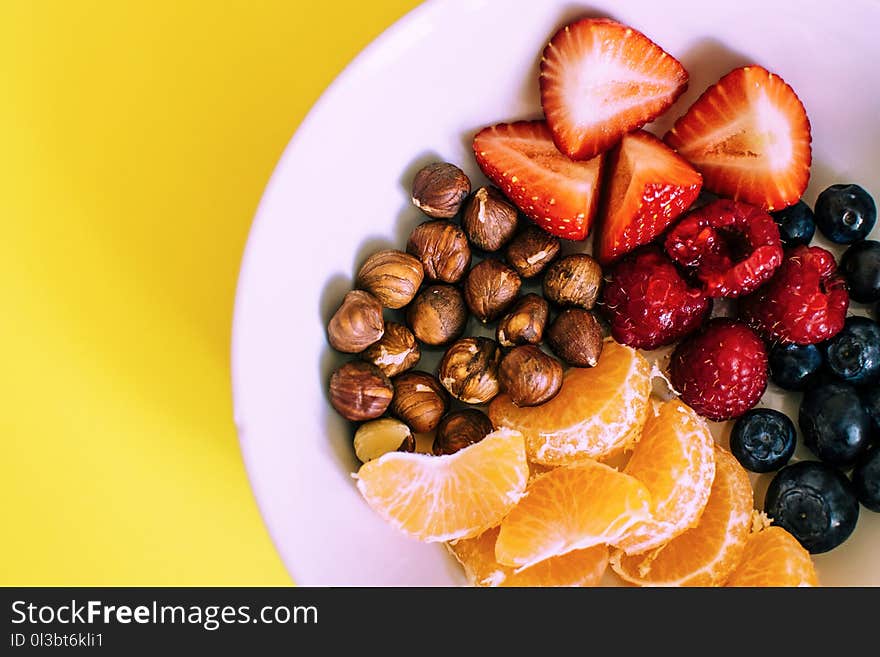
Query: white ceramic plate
<point>340,191</point>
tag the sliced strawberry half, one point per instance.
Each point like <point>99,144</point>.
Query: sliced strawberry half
<point>749,136</point>
<point>648,187</point>
<point>601,79</point>
<point>558,194</point>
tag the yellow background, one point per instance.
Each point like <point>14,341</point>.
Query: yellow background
<point>135,142</point>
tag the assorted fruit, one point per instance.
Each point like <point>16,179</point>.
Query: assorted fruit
<point>552,454</point>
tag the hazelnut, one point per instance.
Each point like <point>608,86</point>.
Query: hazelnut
<point>525,322</point>
<point>396,352</point>
<point>357,323</point>
<point>573,281</point>
<point>419,400</point>
<point>576,337</point>
<point>437,315</point>
<point>489,219</point>
<point>469,370</point>
<point>439,188</point>
<point>360,391</point>
<point>378,437</point>
<point>442,248</point>
<point>459,429</point>
<point>530,376</point>
<point>490,288</point>
<point>532,250</point>
<point>392,276</point>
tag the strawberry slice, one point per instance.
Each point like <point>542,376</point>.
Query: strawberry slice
<point>749,136</point>
<point>649,186</point>
<point>600,80</point>
<point>558,194</point>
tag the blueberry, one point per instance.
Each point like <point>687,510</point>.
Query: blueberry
<point>796,224</point>
<point>845,213</point>
<point>763,440</point>
<point>866,479</point>
<point>835,425</point>
<point>853,355</point>
<point>815,502</point>
<point>860,265</point>
<point>794,367</point>
<point>871,403</point>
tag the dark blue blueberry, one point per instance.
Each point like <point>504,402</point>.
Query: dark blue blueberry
<point>845,213</point>
<point>794,367</point>
<point>835,425</point>
<point>866,479</point>
<point>796,224</point>
<point>763,440</point>
<point>815,502</point>
<point>860,265</point>
<point>871,403</point>
<point>853,355</point>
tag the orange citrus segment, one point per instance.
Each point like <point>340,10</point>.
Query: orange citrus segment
<point>598,410</point>
<point>707,554</point>
<point>773,557</point>
<point>675,459</point>
<point>576,568</point>
<point>571,508</point>
<point>444,498</point>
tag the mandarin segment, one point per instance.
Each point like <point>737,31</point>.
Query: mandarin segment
<point>707,554</point>
<point>571,508</point>
<point>773,557</point>
<point>597,412</point>
<point>675,459</point>
<point>444,498</point>
<point>577,568</point>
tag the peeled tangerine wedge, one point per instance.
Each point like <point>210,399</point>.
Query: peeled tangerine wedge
<point>675,459</point>
<point>571,508</point>
<point>444,498</point>
<point>598,412</point>
<point>578,568</point>
<point>773,557</point>
<point>707,554</point>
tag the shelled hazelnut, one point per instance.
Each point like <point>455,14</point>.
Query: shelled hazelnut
<point>469,370</point>
<point>442,248</point>
<point>459,429</point>
<point>489,219</point>
<point>357,323</point>
<point>360,391</point>
<point>525,322</point>
<point>419,400</point>
<point>437,315</point>
<point>490,288</point>
<point>573,280</point>
<point>392,276</point>
<point>379,437</point>
<point>396,352</point>
<point>530,376</point>
<point>439,188</point>
<point>532,250</point>
<point>576,337</point>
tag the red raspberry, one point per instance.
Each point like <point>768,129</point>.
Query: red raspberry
<point>734,247</point>
<point>805,303</point>
<point>721,372</point>
<point>649,303</point>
